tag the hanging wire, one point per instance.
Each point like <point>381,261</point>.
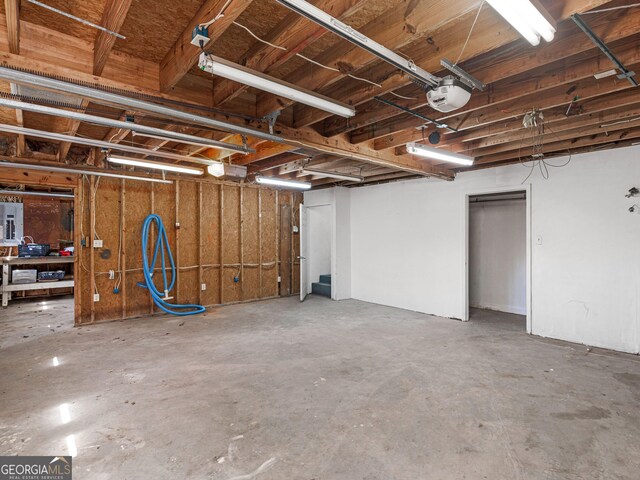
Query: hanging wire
<point>611,9</point>
<point>470,32</point>
<point>77,19</point>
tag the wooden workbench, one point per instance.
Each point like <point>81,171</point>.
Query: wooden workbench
<point>8,262</point>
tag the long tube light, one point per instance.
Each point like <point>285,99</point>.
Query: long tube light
<point>61,137</point>
<point>438,154</point>
<point>327,174</point>
<point>36,194</point>
<point>17,76</point>
<point>350,34</point>
<point>246,76</point>
<point>528,17</point>
<point>278,182</point>
<point>108,122</point>
<point>73,171</point>
<point>167,167</point>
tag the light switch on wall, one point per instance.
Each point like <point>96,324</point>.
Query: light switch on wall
<point>539,239</point>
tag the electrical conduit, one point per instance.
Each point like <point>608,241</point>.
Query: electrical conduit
<point>163,250</point>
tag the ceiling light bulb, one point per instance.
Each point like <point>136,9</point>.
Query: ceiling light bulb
<point>136,162</point>
<point>278,182</point>
<point>438,154</point>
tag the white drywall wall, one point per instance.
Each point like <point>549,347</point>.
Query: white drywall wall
<point>408,244</point>
<point>497,255</point>
<point>319,236</point>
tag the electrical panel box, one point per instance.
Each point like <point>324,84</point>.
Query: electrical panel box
<point>11,229</point>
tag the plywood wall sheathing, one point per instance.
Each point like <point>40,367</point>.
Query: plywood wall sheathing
<point>217,231</point>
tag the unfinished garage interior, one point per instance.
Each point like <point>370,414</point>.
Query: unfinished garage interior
<point>318,240</point>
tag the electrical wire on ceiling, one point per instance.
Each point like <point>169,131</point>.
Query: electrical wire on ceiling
<point>536,129</point>
<point>473,25</point>
<point>610,9</point>
<point>77,19</point>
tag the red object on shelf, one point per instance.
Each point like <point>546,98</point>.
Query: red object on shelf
<point>65,253</point>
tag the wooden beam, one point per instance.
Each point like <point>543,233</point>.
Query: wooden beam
<point>21,144</point>
<point>294,33</point>
<point>491,32</point>
<point>584,107</point>
<point>275,162</point>
<point>560,95</point>
<point>570,57</point>
<point>183,55</point>
<point>12,13</point>
<point>115,12</point>
<point>263,151</point>
<point>565,147</point>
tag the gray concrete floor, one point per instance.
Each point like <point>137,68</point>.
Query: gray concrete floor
<point>320,390</point>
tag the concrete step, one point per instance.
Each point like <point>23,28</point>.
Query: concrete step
<point>325,279</point>
<point>320,288</point>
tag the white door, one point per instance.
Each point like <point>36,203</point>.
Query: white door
<point>304,281</point>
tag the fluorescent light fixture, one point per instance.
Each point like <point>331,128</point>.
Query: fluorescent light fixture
<point>438,154</point>
<point>217,169</point>
<point>136,162</point>
<point>278,182</point>
<point>246,76</point>
<point>350,34</point>
<point>327,174</point>
<point>528,17</point>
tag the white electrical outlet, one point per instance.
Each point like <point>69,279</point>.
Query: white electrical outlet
<point>279,279</point>
<point>295,229</point>
<point>97,244</point>
<point>96,297</point>
<point>112,274</point>
<point>203,287</point>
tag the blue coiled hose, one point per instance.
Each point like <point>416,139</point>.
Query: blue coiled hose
<point>163,249</point>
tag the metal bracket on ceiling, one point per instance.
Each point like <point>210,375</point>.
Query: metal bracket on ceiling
<point>271,118</point>
<point>245,144</point>
<point>626,74</point>
<point>463,75</point>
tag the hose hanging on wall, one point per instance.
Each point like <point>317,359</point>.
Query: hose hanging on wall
<point>163,249</point>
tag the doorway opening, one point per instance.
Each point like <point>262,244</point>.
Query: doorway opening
<point>37,228</point>
<point>498,258</point>
<point>316,232</point>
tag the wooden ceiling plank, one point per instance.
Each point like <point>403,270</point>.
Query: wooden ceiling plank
<point>12,14</point>
<point>183,55</point>
<point>114,15</point>
<point>560,95</point>
<point>587,107</point>
<point>567,146</point>
<point>556,57</point>
<point>490,33</point>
